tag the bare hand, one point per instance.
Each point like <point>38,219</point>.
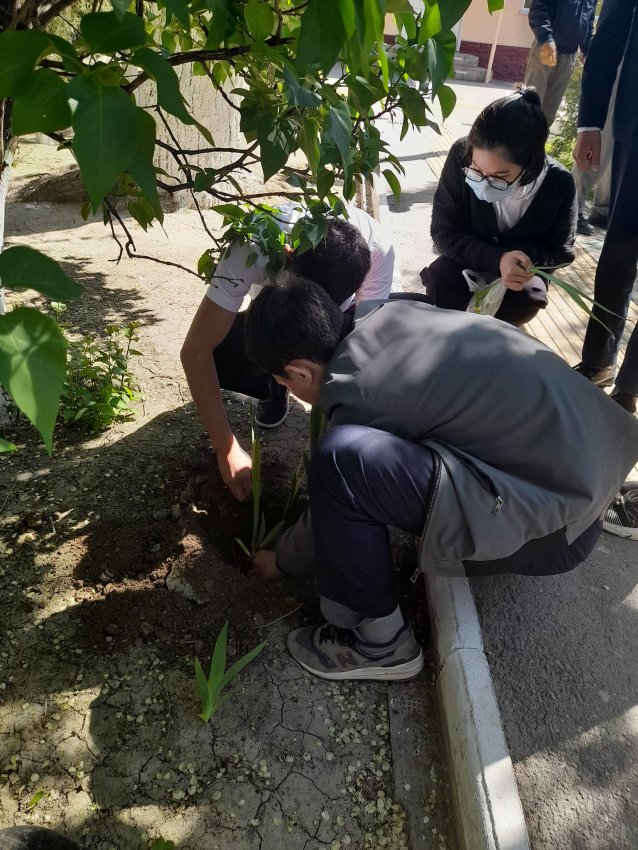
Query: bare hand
<point>514,268</point>
<point>264,566</point>
<point>235,468</point>
<point>548,55</point>
<point>587,150</point>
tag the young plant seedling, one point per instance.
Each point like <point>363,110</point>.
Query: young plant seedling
<point>211,689</point>
<point>162,844</point>
<point>260,539</point>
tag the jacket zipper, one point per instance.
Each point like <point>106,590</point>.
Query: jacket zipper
<point>435,488</point>
<point>484,480</point>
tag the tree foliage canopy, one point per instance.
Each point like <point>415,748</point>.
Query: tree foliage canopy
<point>308,77</point>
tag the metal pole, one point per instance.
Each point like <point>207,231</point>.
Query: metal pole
<point>488,75</point>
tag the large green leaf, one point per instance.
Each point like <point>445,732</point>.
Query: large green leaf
<point>105,32</point>
<point>447,99</point>
<point>22,267</point>
<point>107,134</point>
<point>412,103</point>
<point>297,94</point>
<point>275,147</point>
<point>322,35</point>
<point>452,11</point>
<point>42,105</point>
<point>169,96</point>
<point>20,51</point>
<point>431,23</point>
<point>260,19</point>
<point>32,366</point>
<point>339,129</point>
<point>222,24</point>
<point>441,50</point>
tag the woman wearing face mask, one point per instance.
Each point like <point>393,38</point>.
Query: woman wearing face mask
<point>502,206</point>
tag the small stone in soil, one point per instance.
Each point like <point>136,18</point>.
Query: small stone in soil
<point>176,512</point>
<point>112,629</point>
<point>146,629</point>
<point>33,519</point>
<point>258,619</point>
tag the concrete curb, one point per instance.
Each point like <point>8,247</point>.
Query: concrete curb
<point>489,814</point>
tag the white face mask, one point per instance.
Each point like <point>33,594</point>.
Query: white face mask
<point>485,192</point>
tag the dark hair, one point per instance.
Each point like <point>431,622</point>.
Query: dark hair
<point>293,321</point>
<point>339,263</point>
<point>516,125</point>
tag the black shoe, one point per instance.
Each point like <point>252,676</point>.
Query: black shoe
<point>601,376</point>
<point>583,226</point>
<point>626,400</point>
<point>621,517</point>
<point>272,411</point>
<point>599,220</point>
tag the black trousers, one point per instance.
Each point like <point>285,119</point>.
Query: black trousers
<point>446,286</point>
<point>616,271</point>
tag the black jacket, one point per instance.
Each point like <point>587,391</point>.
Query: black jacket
<point>616,40</point>
<point>569,23</point>
<point>466,229</point>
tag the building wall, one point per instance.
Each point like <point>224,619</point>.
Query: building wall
<point>509,62</point>
<point>480,27</point>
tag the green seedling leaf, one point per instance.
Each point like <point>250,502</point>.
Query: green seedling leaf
<point>202,687</point>
<point>32,366</point>
<point>272,535</point>
<point>37,797</point>
<point>6,446</point>
<point>239,665</point>
<point>218,661</point>
<point>576,295</point>
<point>243,547</point>
<point>162,844</point>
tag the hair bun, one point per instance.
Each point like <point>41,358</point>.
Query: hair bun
<point>529,94</point>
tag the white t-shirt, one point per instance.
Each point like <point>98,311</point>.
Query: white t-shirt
<point>233,280</point>
<point>511,210</point>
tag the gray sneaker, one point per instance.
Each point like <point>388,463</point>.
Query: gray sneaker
<point>333,653</point>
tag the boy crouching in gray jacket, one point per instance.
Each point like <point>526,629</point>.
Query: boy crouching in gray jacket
<point>455,427</point>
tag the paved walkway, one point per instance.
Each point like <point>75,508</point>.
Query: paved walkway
<point>561,650</point>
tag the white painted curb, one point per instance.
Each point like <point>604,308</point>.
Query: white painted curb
<point>489,814</point>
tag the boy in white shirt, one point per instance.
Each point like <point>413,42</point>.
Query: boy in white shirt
<point>353,263</point>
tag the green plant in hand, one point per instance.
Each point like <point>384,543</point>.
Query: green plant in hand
<point>99,387</point>
<point>211,689</point>
<point>260,538</point>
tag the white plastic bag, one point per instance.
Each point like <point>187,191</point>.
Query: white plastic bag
<point>487,297</point>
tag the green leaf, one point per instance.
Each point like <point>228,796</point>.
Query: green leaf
<point>120,7</point>
<point>323,32</point>
<point>430,24</point>
<point>68,53</point>
<point>22,267</point>
<point>6,446</point>
<point>162,844</point>
<point>394,7</point>
<point>297,94</point>
<point>20,51</point>
<point>239,665</point>
<point>275,147</point>
<point>230,211</point>
<point>106,33</point>
<point>37,797</point>
<point>42,105</point>
<point>441,50</point>
<point>260,19</point>
<point>272,535</point>
<point>413,105</point>
<point>339,129</point>
<point>495,5</point>
<point>107,134</point>
<point>447,99</point>
<point>32,366</point>
<point>218,661</point>
<point>169,96</point>
<point>179,8</point>
<point>311,144</point>
<point>408,23</point>
<point>393,182</point>
<point>223,22</point>
<point>452,11</point>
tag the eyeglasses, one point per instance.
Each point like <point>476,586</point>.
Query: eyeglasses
<point>499,183</point>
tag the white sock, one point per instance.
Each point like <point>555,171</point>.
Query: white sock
<point>381,629</point>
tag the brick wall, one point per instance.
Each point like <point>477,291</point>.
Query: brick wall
<point>509,62</point>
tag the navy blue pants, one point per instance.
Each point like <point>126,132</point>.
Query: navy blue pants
<point>616,271</point>
<point>361,481</point>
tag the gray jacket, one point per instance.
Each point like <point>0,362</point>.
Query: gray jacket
<point>526,447</point>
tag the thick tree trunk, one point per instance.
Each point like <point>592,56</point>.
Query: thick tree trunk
<point>211,110</point>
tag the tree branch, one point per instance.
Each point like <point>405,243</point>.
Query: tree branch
<point>45,15</point>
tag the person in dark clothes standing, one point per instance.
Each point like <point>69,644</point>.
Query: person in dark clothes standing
<point>560,28</point>
<point>500,207</point>
<point>616,41</point>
